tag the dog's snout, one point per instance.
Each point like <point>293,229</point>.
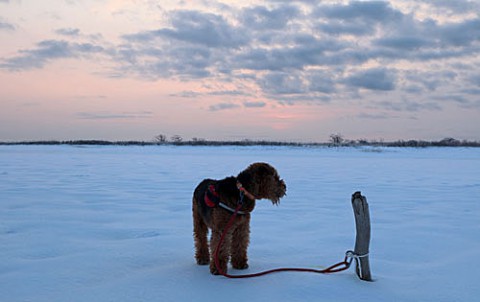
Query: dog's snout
<point>283,187</point>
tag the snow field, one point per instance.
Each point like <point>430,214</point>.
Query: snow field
<point>114,223</point>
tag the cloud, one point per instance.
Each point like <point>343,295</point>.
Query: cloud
<point>263,18</point>
<point>334,27</point>
<point>228,92</point>
<point>428,40</point>
<point>223,106</point>
<point>460,33</point>
<point>195,44</point>
<point>6,26</point>
<point>376,11</point>
<point>289,59</point>
<point>457,6</point>
<point>38,57</point>
<point>46,51</point>
<point>228,106</point>
<point>105,115</point>
<point>373,116</point>
<point>187,94</point>
<point>84,97</point>
<point>400,43</point>
<point>196,28</point>
<point>254,104</point>
<point>373,79</point>
<point>293,51</point>
<point>409,105</point>
<point>302,51</point>
<point>475,80</point>
<point>321,81</point>
<point>282,83</point>
<point>152,62</point>
<point>74,32</point>
<point>428,80</point>
<point>460,99</point>
<point>196,94</point>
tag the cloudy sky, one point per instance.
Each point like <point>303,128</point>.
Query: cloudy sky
<point>275,69</point>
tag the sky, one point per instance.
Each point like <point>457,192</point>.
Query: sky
<point>233,70</point>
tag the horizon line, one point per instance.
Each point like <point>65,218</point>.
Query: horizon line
<point>335,141</point>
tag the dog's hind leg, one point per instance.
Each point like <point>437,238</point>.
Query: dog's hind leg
<point>200,232</point>
<point>240,241</point>
<point>223,253</point>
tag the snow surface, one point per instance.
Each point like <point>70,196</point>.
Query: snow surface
<point>114,224</point>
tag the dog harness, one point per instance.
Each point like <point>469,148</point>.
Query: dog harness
<point>212,200</point>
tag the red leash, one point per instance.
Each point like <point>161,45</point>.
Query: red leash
<point>341,266</point>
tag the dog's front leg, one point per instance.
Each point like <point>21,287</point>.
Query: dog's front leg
<point>200,233</point>
<point>240,241</point>
<point>223,253</point>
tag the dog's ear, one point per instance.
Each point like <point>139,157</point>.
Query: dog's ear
<point>245,177</point>
<point>255,173</point>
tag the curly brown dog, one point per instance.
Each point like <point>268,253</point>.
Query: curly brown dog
<point>214,201</point>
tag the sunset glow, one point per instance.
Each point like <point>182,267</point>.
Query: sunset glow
<point>273,70</point>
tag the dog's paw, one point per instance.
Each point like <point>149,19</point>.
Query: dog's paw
<point>215,271</point>
<point>240,265</point>
<point>203,261</point>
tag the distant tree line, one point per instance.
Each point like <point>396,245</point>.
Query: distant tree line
<point>446,142</point>
<point>336,140</point>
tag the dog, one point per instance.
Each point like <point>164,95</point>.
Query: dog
<point>215,201</point>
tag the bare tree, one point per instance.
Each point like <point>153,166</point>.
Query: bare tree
<point>449,141</point>
<point>336,139</point>
<point>197,140</point>
<point>161,139</point>
<point>176,139</point>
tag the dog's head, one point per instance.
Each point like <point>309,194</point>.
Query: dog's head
<point>263,181</point>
